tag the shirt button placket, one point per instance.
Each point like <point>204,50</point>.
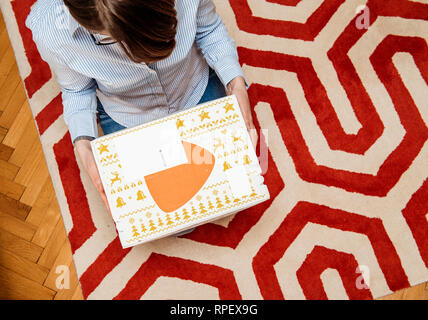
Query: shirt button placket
<point>159,91</point>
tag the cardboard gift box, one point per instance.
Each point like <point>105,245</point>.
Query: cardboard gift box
<point>178,172</point>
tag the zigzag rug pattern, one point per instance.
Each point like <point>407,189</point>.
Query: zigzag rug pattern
<point>344,115</point>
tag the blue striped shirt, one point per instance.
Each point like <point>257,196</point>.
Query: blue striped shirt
<point>131,93</point>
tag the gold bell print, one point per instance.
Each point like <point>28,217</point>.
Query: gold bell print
<point>120,203</point>
<point>140,195</point>
<point>226,166</point>
<point>247,159</point>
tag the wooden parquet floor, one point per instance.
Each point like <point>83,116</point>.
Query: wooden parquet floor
<point>33,241</point>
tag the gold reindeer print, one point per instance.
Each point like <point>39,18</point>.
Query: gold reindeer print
<point>219,144</point>
<point>116,178</point>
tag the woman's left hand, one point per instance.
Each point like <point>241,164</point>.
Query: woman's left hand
<point>237,87</point>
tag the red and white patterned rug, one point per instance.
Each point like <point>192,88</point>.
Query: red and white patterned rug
<point>346,111</point>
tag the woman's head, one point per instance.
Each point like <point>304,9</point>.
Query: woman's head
<point>145,29</point>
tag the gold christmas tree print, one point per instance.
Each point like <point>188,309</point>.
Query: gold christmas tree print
<point>160,223</point>
<point>134,231</point>
<point>177,217</point>
<point>204,115</point>
<point>120,203</point>
<point>218,202</point>
<point>185,214</point>
<point>152,225</point>
<point>194,212</point>
<point>202,208</point>
<point>179,123</point>
<point>103,148</point>
<point>228,107</point>
<point>168,220</point>
<point>210,205</point>
<point>143,228</point>
<point>226,199</point>
<point>140,195</point>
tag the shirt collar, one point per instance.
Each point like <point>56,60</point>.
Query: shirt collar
<point>72,23</point>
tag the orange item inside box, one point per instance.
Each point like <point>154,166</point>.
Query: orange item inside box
<point>174,187</point>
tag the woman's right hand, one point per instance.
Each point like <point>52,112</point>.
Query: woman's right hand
<point>83,148</point>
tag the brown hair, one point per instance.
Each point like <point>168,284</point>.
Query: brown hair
<point>145,29</point>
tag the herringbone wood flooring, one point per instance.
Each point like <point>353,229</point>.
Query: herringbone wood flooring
<point>33,242</point>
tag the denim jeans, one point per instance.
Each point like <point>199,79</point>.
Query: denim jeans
<point>214,90</point>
